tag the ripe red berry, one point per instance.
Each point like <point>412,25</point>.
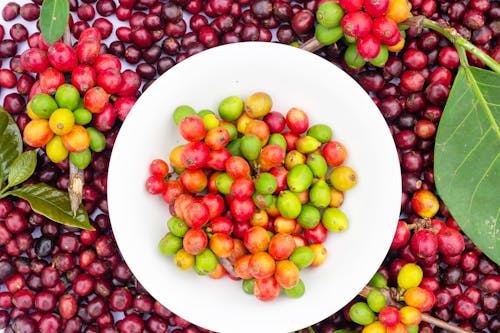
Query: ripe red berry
<point>386,29</point>
<point>368,46</point>
<point>155,184</point>
<point>158,167</point>
<point>356,24</point>
<point>376,8</point>
<point>351,5</point>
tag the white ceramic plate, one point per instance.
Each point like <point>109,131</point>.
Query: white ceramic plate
<point>293,78</point>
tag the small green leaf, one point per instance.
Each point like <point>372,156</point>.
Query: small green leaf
<point>53,204</point>
<point>54,16</point>
<point>11,144</point>
<point>22,167</point>
<point>467,157</point>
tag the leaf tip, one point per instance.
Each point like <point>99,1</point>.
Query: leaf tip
<point>89,228</point>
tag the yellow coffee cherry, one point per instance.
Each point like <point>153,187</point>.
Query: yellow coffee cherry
<point>343,178</point>
<point>183,260</point>
<point>61,121</point>
<point>55,149</point>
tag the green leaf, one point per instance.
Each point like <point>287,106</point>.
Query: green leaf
<point>467,157</point>
<point>4,121</point>
<point>53,204</point>
<point>54,16</point>
<point>22,167</point>
<point>11,144</point>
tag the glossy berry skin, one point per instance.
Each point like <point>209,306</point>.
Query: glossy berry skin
<point>450,242</point>
<point>402,235</point>
<point>83,77</point>
<point>110,80</point>
<point>356,24</point>
<point>123,105</point>
<point>368,46</point>
<point>351,5</point>
<point>88,46</point>
<point>131,83</point>
<point>195,155</point>
<point>425,203</point>
<point>376,8</point>
<point>386,29</point>
<point>34,60</point>
<point>448,57</point>
<point>62,57</point>
<point>389,316</point>
<point>412,80</point>
<point>106,61</point>
<point>464,307</point>
<point>50,79</point>
<point>424,243</point>
<point>95,99</point>
<point>155,184</point>
<point>158,167</point>
<point>302,21</point>
<point>415,59</point>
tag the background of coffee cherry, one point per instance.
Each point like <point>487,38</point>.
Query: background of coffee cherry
<point>46,268</point>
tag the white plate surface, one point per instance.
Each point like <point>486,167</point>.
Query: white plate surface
<point>294,78</point>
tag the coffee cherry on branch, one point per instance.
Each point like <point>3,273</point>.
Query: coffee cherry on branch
<point>425,203</point>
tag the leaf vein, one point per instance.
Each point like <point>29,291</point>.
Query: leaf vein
<point>482,83</point>
<point>482,100</point>
<point>484,174</point>
<point>464,119</point>
<point>494,228</point>
<point>471,151</point>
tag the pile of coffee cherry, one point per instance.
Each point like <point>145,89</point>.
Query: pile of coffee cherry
<point>61,279</point>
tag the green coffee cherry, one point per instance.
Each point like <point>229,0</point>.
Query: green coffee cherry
<point>170,244</point>
<point>289,204</point>
<point>296,291</point>
<point>81,159</point>
<point>299,178</point>
<point>381,58</point>
<point>97,139</point>
<point>352,57</point>
<point>328,36</point>
<point>181,112</point>
<point>329,14</point>
<point>321,132</point>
